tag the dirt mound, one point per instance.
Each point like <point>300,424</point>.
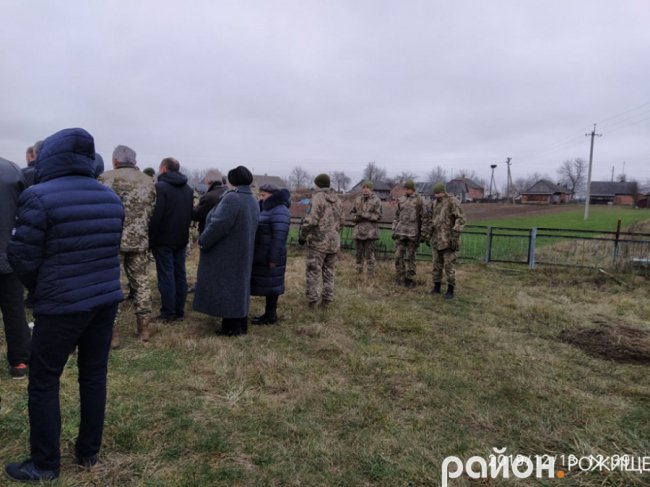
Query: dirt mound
<point>620,343</point>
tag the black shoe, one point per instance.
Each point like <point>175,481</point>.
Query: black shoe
<point>86,462</point>
<point>19,371</point>
<point>28,472</point>
<point>450,292</point>
<point>165,319</point>
<point>436,288</point>
<point>409,283</point>
<point>259,320</point>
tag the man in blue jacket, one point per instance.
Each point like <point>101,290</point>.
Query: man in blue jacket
<point>65,248</point>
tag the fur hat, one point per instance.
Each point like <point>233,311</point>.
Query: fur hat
<point>322,181</point>
<point>240,176</point>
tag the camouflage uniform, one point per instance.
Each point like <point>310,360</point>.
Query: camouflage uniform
<point>442,224</point>
<point>367,212</point>
<point>406,233</point>
<point>138,194</point>
<point>320,229</point>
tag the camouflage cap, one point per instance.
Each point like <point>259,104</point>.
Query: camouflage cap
<point>409,184</point>
<point>367,184</point>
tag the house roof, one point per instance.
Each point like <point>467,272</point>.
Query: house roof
<point>611,188</point>
<point>544,186</point>
<point>468,182</point>
<point>376,186</point>
<point>259,180</point>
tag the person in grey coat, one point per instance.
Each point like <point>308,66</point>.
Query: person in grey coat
<point>226,260</point>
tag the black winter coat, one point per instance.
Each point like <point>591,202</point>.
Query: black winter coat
<point>271,245</point>
<point>209,200</point>
<point>172,215</point>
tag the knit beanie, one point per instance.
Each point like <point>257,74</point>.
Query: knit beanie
<point>438,188</point>
<point>367,184</point>
<point>322,181</point>
<point>409,184</point>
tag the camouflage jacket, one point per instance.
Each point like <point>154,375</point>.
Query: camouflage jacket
<point>138,194</point>
<point>366,212</point>
<point>408,217</point>
<point>323,222</point>
<point>443,221</point>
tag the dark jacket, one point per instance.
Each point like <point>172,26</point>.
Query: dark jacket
<point>172,215</point>
<point>11,185</point>
<point>28,174</point>
<point>271,245</point>
<point>209,200</point>
<point>66,245</point>
<point>224,276</point>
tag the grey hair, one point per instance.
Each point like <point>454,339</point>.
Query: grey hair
<point>124,154</point>
<point>37,147</point>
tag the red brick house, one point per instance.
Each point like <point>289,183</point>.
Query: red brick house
<point>613,193</point>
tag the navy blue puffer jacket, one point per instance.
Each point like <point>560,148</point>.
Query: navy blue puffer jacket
<point>66,243</point>
<point>271,245</point>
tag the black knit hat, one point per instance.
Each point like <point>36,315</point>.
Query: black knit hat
<point>240,176</point>
<point>322,181</point>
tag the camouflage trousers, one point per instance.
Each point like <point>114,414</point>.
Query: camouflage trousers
<point>405,258</point>
<point>366,253</point>
<point>444,260</point>
<point>136,268</point>
<point>320,267</point>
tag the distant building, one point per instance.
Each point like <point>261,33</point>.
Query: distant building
<point>465,189</point>
<point>613,193</point>
<point>259,180</point>
<point>381,188</point>
<point>545,192</point>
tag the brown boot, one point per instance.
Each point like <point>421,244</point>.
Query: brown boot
<point>115,339</point>
<point>142,330</point>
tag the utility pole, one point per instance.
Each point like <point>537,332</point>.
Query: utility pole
<point>509,183</point>
<point>492,183</point>
<point>593,134</point>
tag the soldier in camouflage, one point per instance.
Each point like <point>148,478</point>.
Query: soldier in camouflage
<point>138,194</point>
<point>443,222</point>
<point>366,213</point>
<point>320,230</point>
<point>406,233</point>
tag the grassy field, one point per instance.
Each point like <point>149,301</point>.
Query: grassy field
<point>375,391</point>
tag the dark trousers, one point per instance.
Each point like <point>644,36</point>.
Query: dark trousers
<point>172,281</point>
<point>13,316</point>
<point>53,340</point>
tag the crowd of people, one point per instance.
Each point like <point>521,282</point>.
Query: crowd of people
<point>67,228</point>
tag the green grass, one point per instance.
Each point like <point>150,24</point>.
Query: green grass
<point>601,218</point>
<point>375,391</point>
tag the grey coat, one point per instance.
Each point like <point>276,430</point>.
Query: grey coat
<point>227,244</point>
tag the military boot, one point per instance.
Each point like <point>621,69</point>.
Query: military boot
<point>436,288</point>
<point>142,330</point>
<point>115,338</point>
<point>450,292</point>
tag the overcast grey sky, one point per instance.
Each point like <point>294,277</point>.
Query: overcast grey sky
<point>331,85</point>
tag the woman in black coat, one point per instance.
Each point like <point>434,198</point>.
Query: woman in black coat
<point>270,257</point>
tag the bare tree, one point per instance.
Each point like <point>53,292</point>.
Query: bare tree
<point>402,177</point>
<point>373,172</point>
<point>298,179</point>
<point>522,184</point>
<point>340,180</point>
<point>195,176</point>
<point>437,175</point>
<point>572,175</point>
